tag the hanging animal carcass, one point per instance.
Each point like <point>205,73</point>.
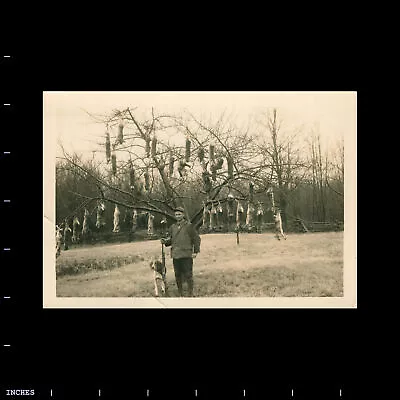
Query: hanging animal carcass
<point>278,225</point>
<point>85,224</point>
<point>75,232</point>
<point>206,217</point>
<point>249,217</point>
<point>59,236</point>
<point>230,211</point>
<point>67,234</point>
<point>100,220</point>
<point>220,216</point>
<point>260,215</point>
<point>213,217</point>
<point>134,221</point>
<point>150,224</point>
<point>116,219</point>
<point>108,147</point>
<point>120,137</point>
<point>239,215</point>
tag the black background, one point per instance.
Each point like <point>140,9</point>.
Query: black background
<point>313,350</point>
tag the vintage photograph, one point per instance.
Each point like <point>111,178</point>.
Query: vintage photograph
<point>199,199</point>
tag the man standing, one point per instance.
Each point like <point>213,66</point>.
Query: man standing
<point>185,244</point>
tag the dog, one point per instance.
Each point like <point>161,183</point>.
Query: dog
<point>159,277</point>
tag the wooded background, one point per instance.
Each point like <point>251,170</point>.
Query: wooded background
<point>153,163</point>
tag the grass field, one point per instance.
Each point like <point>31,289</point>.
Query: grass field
<point>260,266</point>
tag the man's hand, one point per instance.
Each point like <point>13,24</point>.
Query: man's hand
<point>162,240</point>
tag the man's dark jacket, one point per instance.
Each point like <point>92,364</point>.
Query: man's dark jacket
<point>184,240</point>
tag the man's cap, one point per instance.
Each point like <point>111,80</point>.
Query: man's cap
<point>181,209</point>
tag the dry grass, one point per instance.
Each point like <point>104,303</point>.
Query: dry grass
<point>260,266</point>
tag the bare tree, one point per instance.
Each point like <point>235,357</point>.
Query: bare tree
<point>318,179</point>
<point>335,170</point>
<point>334,178</point>
<point>151,162</point>
<point>283,165</point>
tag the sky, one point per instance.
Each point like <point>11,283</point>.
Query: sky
<point>332,114</point>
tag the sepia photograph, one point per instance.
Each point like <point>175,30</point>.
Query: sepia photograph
<point>199,199</point>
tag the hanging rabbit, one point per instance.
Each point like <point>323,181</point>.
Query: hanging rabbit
<point>75,233</point>
<point>116,219</point>
<point>260,214</point>
<point>230,210</point>
<point>100,221</point>
<point>120,137</point>
<point>220,215</point>
<point>150,224</point>
<point>213,217</point>
<point>134,221</point>
<point>249,216</point>
<point>239,214</point>
<point>206,216</point>
<point>278,224</point>
<point>67,234</point>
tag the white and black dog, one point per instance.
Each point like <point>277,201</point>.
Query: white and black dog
<point>160,279</point>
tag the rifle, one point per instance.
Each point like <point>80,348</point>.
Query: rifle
<point>163,255</point>
<point>164,224</point>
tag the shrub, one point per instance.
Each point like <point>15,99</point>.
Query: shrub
<point>75,267</point>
